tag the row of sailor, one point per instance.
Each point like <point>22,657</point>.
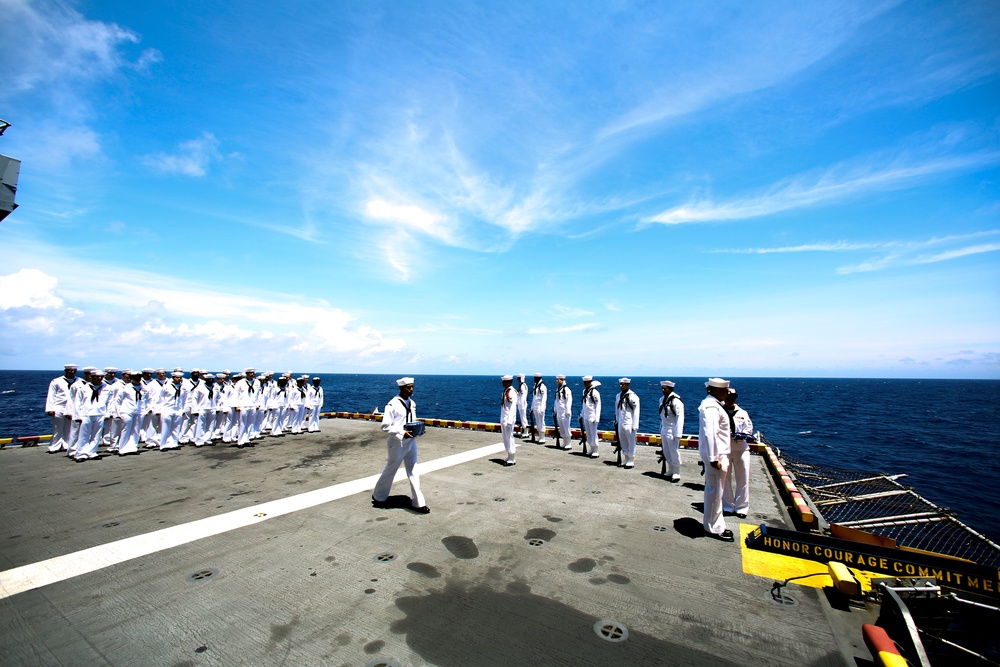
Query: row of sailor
<point>146,408</point>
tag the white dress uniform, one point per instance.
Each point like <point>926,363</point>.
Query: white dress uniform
<point>627,415</point>
<point>713,446</point>
<point>297,401</point>
<point>316,407</point>
<point>57,403</point>
<point>147,430</point>
<point>260,405</point>
<point>539,402</point>
<point>738,501</point>
<point>562,411</point>
<point>157,390</point>
<point>244,399</point>
<point>72,405</point>
<point>113,426</point>
<point>190,420</point>
<point>671,412</point>
<point>199,405</point>
<point>508,414</point>
<point>129,407</point>
<point>279,402</point>
<point>590,412</point>
<point>401,449</point>
<point>522,404</point>
<point>92,409</point>
<point>174,401</point>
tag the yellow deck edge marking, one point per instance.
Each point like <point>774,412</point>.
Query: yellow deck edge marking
<point>780,567</point>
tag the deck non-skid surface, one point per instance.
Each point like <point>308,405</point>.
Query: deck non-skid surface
<point>514,566</point>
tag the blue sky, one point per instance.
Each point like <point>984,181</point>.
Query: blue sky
<point>718,188</point>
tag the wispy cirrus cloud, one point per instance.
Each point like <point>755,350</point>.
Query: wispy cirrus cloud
<point>566,312</point>
<point>558,330</point>
<point>192,157</point>
<point>840,183</point>
<point>897,253</point>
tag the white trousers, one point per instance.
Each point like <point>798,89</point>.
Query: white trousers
<point>73,438</point>
<point>626,438</point>
<point>539,423</point>
<point>204,427</point>
<point>245,427</point>
<point>170,430</point>
<point>565,432</point>
<point>297,418</point>
<point>90,437</point>
<point>60,432</point>
<point>128,441</point>
<point>404,452</point>
<point>507,432</point>
<point>279,421</point>
<point>592,446</point>
<point>714,480</point>
<point>738,476</point>
<point>522,411</point>
<point>670,446</point>
<point>314,420</point>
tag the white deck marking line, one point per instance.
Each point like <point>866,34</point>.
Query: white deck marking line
<point>60,568</point>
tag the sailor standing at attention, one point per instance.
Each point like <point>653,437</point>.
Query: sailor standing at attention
<point>92,412</point>
<point>316,406</point>
<point>627,416</point>
<point>590,413</point>
<point>113,425</point>
<point>81,386</point>
<point>130,406</point>
<point>146,429</point>
<point>508,412</point>
<point>57,407</point>
<point>402,447</point>
<point>713,446</point>
<point>522,404</point>
<point>562,409</point>
<point>174,400</point>
<point>245,399</point>
<point>539,401</point>
<point>671,427</point>
<point>158,399</point>
<point>741,428</point>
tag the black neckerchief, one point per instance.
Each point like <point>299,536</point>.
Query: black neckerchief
<point>406,406</point>
<point>538,385</point>
<point>667,403</point>
<point>626,400</point>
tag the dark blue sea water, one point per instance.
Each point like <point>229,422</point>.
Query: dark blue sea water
<point>940,432</point>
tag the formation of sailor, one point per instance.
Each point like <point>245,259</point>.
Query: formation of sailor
<point>398,422</point>
<point>671,427</point>
<point>714,447</point>
<point>562,410</point>
<point>736,485</point>
<point>508,412</point>
<point>148,409</point>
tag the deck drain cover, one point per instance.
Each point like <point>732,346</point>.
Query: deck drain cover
<point>500,500</point>
<point>660,529</point>
<point>110,524</point>
<point>260,515</point>
<point>202,575</point>
<point>611,631</point>
<point>385,558</point>
<point>535,542</point>
<point>383,662</point>
<point>477,474</point>
<point>783,599</point>
<point>595,492</point>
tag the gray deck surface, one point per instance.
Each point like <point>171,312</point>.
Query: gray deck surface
<point>465,588</point>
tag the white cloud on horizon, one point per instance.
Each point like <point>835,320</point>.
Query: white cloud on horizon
<point>192,157</point>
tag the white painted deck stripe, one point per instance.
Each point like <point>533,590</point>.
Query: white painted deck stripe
<point>60,568</point>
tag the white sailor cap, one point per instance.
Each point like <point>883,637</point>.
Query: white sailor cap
<point>595,383</point>
<point>68,366</point>
<point>402,382</point>
<point>507,378</point>
<point>209,377</point>
<point>128,371</point>
<point>177,374</point>
<point>718,383</point>
<point>148,370</point>
<point>667,383</point>
<point>110,369</point>
<point>178,368</point>
<point>732,392</point>
<point>316,378</point>
<point>538,375</point>
<point>520,375</point>
<point>220,376</point>
<point>286,374</point>
<point>249,369</point>
<point>89,369</point>
<point>97,372</point>
<point>227,371</point>
<point>560,377</point>
<point>624,380</point>
<point>161,370</point>
<point>587,378</point>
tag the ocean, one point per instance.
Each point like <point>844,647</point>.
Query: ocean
<point>932,430</point>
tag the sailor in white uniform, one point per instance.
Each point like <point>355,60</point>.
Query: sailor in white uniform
<point>737,501</point>
<point>627,416</point>
<point>158,398</point>
<point>222,407</point>
<point>402,447</point>
<point>508,413</point>
<point>147,429</point>
<point>173,403</point>
<point>130,407</point>
<point>245,399</point>
<point>713,447</point>
<point>590,412</point>
<point>671,427</point>
<point>57,407</point>
<point>539,402</point>
<point>279,402</point>
<point>113,425</point>
<point>189,423</point>
<point>522,404</point>
<point>92,412</point>
<point>199,405</point>
<point>315,405</point>
<point>562,410</point>
<point>73,437</point>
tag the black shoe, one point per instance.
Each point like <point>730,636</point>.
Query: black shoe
<point>379,504</point>
<point>726,536</point>
<point>741,515</point>
<point>422,510</point>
